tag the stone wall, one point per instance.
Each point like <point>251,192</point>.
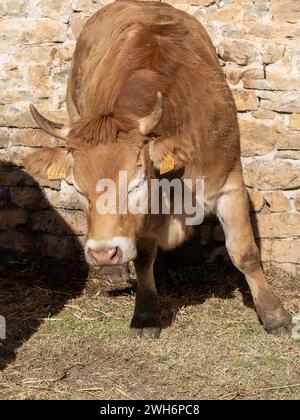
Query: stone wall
<point>258,45</point>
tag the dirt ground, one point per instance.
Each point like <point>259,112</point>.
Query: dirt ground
<point>67,335</point>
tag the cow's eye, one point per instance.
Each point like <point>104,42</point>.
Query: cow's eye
<point>137,182</point>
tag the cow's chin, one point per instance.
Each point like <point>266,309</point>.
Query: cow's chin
<point>105,253</point>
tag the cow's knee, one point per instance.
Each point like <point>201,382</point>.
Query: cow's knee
<point>245,258</point>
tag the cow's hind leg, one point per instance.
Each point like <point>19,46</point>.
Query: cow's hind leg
<point>146,318</point>
<point>232,210</point>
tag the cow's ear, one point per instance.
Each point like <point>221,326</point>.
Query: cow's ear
<point>164,156</point>
<point>50,163</point>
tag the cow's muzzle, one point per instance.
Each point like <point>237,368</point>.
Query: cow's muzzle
<point>105,253</point>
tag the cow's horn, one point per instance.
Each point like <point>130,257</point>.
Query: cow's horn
<point>147,124</point>
<point>50,127</point>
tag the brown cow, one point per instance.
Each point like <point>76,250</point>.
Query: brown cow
<point>146,83</point>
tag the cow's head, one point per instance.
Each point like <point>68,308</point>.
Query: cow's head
<point>85,159</point>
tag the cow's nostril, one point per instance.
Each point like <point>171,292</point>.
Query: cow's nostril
<point>115,255</point>
<point>106,256</point>
<point>112,252</point>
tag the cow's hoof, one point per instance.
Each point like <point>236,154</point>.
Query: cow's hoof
<point>275,318</point>
<point>276,322</point>
<point>146,324</point>
<point>150,332</point>
<point>279,323</point>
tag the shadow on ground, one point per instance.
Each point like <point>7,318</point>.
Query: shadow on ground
<point>32,285</point>
<point>180,283</point>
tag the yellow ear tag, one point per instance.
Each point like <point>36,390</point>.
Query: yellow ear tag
<point>166,165</point>
<point>55,173</point>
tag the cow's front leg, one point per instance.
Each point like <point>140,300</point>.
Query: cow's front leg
<point>146,318</point>
<point>233,214</point>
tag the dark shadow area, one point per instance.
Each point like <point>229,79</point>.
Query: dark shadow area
<point>33,286</point>
<point>200,269</point>
<point>186,276</point>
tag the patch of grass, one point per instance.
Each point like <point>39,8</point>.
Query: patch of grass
<point>274,362</point>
